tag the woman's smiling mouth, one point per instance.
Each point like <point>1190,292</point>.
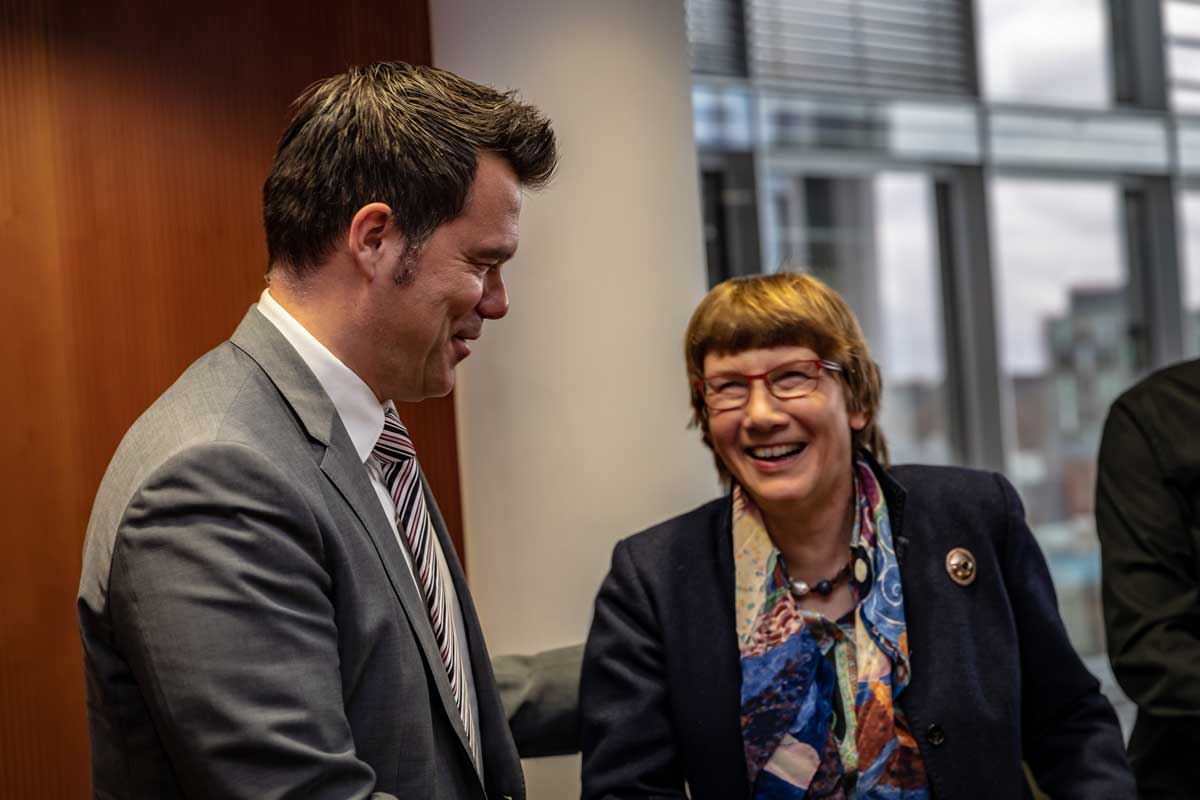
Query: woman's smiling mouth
<point>776,452</point>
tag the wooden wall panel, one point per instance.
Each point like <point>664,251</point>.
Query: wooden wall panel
<point>134,139</point>
<point>39,663</point>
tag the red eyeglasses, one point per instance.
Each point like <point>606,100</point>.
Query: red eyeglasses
<point>729,390</point>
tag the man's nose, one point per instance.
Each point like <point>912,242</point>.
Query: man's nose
<point>494,303</point>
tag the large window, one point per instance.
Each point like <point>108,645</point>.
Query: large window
<point>993,186</point>
<point>871,237</point>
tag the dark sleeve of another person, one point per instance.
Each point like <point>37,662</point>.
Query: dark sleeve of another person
<point>629,749</point>
<point>1151,596</point>
<point>540,694</point>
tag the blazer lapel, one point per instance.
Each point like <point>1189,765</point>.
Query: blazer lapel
<point>715,683</point>
<point>259,339</point>
<point>913,554</point>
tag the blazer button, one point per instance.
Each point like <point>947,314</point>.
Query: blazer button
<point>935,735</point>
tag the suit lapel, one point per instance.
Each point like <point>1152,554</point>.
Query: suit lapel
<point>342,467</point>
<point>501,768</point>
<point>259,339</point>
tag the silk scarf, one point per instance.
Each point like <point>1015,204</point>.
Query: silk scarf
<point>789,683</point>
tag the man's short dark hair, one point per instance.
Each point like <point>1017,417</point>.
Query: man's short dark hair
<point>405,135</point>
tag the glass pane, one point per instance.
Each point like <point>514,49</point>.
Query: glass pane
<point>1063,316</point>
<point>1051,53</point>
<point>871,238</point>
<point>1184,62</point>
<point>1186,101</point>
<point>1191,272</point>
<point>910,349</point>
<point>1181,22</point>
<point>1181,18</point>
<point>721,117</point>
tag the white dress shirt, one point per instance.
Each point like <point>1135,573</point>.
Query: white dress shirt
<point>362,415</point>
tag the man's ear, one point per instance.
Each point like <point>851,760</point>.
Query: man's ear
<point>370,238</point>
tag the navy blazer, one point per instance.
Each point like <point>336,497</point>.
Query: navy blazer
<point>995,681</point>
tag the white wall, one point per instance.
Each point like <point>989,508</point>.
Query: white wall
<point>572,411</point>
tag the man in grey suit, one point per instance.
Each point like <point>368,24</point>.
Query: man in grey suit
<point>269,605</point>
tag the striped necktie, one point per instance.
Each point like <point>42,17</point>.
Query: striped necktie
<point>397,461</point>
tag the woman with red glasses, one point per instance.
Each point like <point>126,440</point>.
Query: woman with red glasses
<point>833,627</point>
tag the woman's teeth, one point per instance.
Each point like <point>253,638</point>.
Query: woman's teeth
<point>775,451</point>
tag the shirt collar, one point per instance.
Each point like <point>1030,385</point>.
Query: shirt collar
<point>361,412</point>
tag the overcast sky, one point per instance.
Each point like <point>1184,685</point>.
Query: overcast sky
<point>1049,237</point>
<point>1190,219</point>
<point>1044,51</point>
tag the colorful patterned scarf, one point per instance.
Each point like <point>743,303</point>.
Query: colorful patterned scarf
<point>789,682</point>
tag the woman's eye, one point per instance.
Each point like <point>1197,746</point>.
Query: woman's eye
<point>791,376</point>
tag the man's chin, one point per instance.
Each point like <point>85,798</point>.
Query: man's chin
<point>428,389</point>
<point>440,387</point>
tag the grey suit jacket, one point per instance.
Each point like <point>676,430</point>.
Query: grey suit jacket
<point>250,627</point>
